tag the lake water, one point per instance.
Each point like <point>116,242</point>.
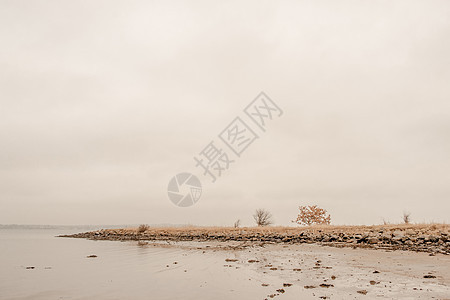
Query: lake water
<point>121,270</point>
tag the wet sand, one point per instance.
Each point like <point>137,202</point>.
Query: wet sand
<point>309,271</point>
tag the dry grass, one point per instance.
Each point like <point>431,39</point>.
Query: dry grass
<point>293,230</point>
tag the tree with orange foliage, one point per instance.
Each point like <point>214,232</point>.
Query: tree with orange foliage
<point>310,215</point>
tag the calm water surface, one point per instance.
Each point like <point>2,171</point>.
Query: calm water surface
<point>122,270</point>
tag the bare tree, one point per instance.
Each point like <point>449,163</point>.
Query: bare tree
<point>406,217</point>
<point>237,224</point>
<point>262,217</point>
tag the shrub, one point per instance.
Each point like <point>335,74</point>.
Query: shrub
<point>143,228</point>
<point>310,215</point>
<point>406,217</point>
<point>237,224</point>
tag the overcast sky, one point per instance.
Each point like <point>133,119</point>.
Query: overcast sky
<point>102,102</point>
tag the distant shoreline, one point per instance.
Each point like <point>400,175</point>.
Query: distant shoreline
<point>431,238</point>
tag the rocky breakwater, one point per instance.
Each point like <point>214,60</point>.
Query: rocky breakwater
<point>422,238</point>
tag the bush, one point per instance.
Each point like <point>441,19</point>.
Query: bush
<point>143,228</point>
<point>310,215</point>
<point>237,224</point>
<point>406,217</point>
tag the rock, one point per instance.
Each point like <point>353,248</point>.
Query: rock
<point>287,284</point>
<point>398,233</point>
<point>410,232</point>
<point>397,239</point>
<point>334,237</point>
<point>433,238</point>
<point>429,276</point>
<point>309,287</point>
<point>91,256</point>
<point>30,268</point>
<point>373,240</point>
<point>326,285</point>
<point>364,292</point>
<point>231,260</point>
<point>281,291</point>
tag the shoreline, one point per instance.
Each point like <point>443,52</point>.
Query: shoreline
<point>430,238</point>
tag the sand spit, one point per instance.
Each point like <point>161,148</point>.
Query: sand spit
<point>431,238</point>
